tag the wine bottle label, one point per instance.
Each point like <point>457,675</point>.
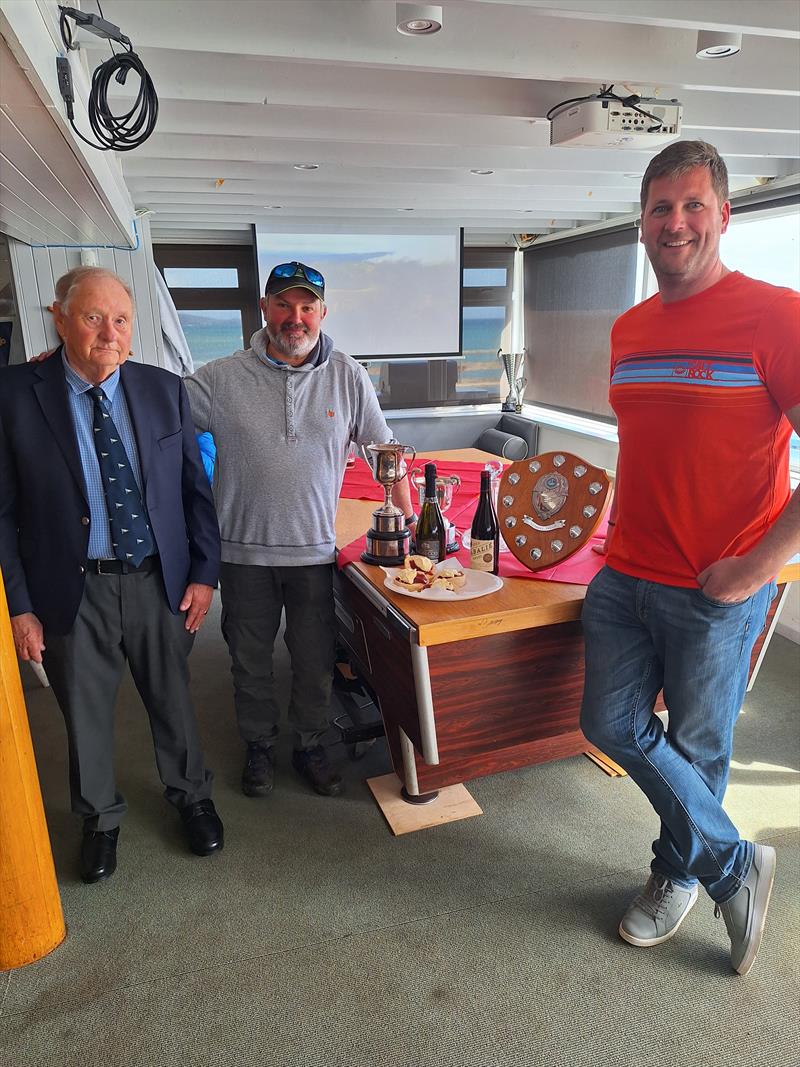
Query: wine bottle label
<point>429,549</point>
<point>481,555</point>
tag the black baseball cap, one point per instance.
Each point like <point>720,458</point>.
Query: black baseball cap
<point>290,275</point>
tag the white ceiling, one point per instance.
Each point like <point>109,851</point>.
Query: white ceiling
<point>248,88</point>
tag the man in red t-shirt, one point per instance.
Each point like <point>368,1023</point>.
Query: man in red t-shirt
<point>705,383</point>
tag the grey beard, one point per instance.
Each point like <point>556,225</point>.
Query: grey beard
<point>301,347</point>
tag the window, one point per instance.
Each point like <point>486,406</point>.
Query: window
<point>477,377</point>
<point>487,292</point>
<point>11,347</point>
<point>216,295</point>
<point>766,245</point>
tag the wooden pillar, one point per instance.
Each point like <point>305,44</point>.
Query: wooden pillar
<point>31,921</point>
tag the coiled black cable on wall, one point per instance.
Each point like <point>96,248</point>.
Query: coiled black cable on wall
<point>119,133</point>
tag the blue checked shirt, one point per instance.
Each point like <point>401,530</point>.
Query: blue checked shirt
<point>82,410</point>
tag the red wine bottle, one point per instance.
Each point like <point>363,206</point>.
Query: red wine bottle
<point>431,528</point>
<point>485,533</point>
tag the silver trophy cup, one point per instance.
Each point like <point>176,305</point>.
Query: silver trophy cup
<point>388,539</point>
<point>513,363</point>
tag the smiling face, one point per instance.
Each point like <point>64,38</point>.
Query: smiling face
<point>681,226</point>
<point>293,320</point>
<point>96,326</point>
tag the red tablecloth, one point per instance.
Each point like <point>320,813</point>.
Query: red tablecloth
<point>578,569</point>
<point>359,484</point>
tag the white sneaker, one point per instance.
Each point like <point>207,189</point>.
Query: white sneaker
<point>657,912</point>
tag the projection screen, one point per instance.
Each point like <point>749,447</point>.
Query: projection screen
<point>388,295</point>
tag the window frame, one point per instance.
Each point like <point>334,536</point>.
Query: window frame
<point>478,258</point>
<point>243,298</point>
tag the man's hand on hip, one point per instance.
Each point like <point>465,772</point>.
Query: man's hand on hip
<point>28,636</point>
<point>196,602</point>
<point>730,580</point>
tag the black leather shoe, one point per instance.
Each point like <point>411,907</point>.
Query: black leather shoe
<point>258,775</point>
<point>99,854</point>
<point>203,827</point>
<point>312,764</point>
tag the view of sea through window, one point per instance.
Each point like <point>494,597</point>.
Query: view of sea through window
<point>211,334</point>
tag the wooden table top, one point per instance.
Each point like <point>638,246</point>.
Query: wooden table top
<point>521,604</point>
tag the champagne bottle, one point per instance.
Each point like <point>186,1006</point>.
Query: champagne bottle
<point>485,533</point>
<point>431,528</point>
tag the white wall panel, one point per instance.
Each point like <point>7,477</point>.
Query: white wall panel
<point>36,269</point>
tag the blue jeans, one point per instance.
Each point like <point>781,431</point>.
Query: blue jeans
<point>641,637</point>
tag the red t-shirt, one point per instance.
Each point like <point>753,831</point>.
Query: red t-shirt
<point>699,387</point>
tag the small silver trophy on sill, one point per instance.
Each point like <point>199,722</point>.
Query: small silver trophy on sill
<point>513,363</point>
<point>388,539</point>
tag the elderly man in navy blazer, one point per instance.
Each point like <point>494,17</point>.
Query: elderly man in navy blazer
<point>109,548</point>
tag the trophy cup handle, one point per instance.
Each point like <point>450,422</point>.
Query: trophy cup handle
<point>409,450</point>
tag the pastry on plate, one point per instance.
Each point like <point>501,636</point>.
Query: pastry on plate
<point>449,578</point>
<point>413,580</point>
<point>418,563</point>
<point>454,576</point>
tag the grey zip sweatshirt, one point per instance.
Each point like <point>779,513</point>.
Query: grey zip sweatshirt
<point>282,435</point>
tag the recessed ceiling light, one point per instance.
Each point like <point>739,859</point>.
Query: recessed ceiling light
<point>306,166</point>
<point>418,20</point>
<point>714,45</point>
<point>474,170</point>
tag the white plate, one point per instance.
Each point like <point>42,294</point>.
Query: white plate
<point>478,583</point>
<point>466,541</point>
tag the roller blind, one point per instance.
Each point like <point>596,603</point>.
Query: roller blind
<point>573,293</point>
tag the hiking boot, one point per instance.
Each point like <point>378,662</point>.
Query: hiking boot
<point>746,912</point>
<point>312,764</point>
<point>258,776</point>
<point>657,912</point>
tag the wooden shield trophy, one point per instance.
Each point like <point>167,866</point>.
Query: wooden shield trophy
<point>549,506</point>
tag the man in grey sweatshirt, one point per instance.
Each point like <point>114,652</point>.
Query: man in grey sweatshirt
<point>283,414</point>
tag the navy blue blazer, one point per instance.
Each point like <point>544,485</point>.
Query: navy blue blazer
<point>44,532</point>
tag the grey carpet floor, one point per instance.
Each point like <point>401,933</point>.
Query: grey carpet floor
<point>316,939</point>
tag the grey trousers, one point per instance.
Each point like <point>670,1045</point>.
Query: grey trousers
<point>253,600</point>
<point>125,618</point>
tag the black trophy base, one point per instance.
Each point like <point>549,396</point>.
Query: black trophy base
<point>386,549</point>
<point>382,561</point>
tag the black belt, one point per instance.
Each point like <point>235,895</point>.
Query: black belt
<point>119,566</point>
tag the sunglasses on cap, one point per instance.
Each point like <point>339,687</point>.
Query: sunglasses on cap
<point>295,269</point>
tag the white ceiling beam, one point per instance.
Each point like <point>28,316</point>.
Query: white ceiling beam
<point>258,191</point>
<point>616,161</point>
<point>521,43</point>
<point>313,124</point>
<point>389,202</point>
<point>450,215</point>
<point>252,120</point>
<point>166,231</point>
<point>770,18</point>
<point>140,169</point>
<point>179,75</point>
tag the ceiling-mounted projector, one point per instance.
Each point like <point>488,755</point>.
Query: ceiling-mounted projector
<point>611,122</point>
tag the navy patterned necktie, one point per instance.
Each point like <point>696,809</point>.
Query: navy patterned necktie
<point>130,532</point>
